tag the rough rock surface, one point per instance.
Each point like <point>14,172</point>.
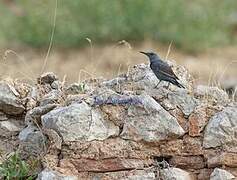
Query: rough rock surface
<point>218,174</point>
<point>32,142</point>
<point>122,128</point>
<point>211,94</point>
<point>9,102</point>
<point>222,129</point>
<point>79,122</point>
<point>174,173</point>
<point>151,124</point>
<point>53,175</point>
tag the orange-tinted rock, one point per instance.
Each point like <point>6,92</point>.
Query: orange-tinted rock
<point>192,146</point>
<point>186,146</point>
<point>197,121</point>
<point>133,175</point>
<point>105,165</point>
<point>226,159</point>
<point>110,148</point>
<point>185,162</point>
<point>178,114</point>
<point>204,174</point>
<point>115,113</point>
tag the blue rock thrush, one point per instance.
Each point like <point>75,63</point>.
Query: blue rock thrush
<point>162,70</point>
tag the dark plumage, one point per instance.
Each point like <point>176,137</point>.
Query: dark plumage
<point>162,70</point>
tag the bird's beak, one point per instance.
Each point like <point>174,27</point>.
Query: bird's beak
<point>143,52</point>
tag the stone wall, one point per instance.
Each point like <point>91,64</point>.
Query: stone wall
<point>122,128</point>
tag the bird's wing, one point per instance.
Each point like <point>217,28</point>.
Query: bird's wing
<point>165,69</point>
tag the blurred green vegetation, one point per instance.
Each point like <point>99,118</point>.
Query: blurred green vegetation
<point>191,25</point>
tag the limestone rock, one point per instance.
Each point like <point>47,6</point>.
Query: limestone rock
<point>79,122</point>
<point>222,159</point>
<point>186,162</point>
<point>47,174</point>
<point>76,88</point>
<point>220,174</point>
<point>175,173</point>
<point>143,76</point>
<point>222,129</point>
<point>57,85</point>
<point>150,122</point>
<point>47,78</point>
<point>10,127</point>
<point>103,165</point>
<point>34,115</point>
<point>211,94</point>
<point>181,99</point>
<point>32,142</point>
<point>53,97</point>
<point>9,102</point>
<point>125,175</point>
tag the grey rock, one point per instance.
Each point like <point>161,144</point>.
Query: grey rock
<point>53,97</point>
<point>47,78</point>
<point>33,143</point>
<point>145,78</point>
<point>10,127</point>
<point>114,82</point>
<point>47,174</point>
<point>211,94</point>
<point>34,115</point>
<point>150,122</point>
<point>174,173</point>
<point>27,131</point>
<point>181,99</point>
<point>34,93</point>
<point>3,116</point>
<point>222,129</point>
<point>184,76</point>
<point>79,122</point>
<point>142,176</point>
<point>9,102</point>
<point>56,85</point>
<point>230,86</point>
<point>146,174</point>
<point>76,88</point>
<point>116,99</point>
<point>221,174</point>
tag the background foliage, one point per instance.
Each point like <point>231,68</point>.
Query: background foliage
<point>191,25</point>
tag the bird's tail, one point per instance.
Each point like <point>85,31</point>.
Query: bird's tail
<point>178,84</point>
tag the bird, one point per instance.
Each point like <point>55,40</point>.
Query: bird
<point>162,70</point>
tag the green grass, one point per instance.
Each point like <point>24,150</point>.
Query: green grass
<point>191,25</point>
<point>15,168</point>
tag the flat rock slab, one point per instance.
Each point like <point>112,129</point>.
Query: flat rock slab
<point>150,122</point>
<point>175,173</point>
<point>79,122</point>
<point>146,174</point>
<point>47,174</point>
<point>9,102</point>
<point>222,129</point>
<point>221,174</point>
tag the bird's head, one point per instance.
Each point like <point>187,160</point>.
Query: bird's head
<point>151,55</point>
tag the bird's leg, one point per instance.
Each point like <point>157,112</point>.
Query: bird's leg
<point>158,84</point>
<point>168,85</point>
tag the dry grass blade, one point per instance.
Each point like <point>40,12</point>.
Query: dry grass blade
<point>91,48</point>
<point>169,49</point>
<point>225,69</point>
<point>80,74</point>
<point>51,38</point>
<point>21,60</point>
